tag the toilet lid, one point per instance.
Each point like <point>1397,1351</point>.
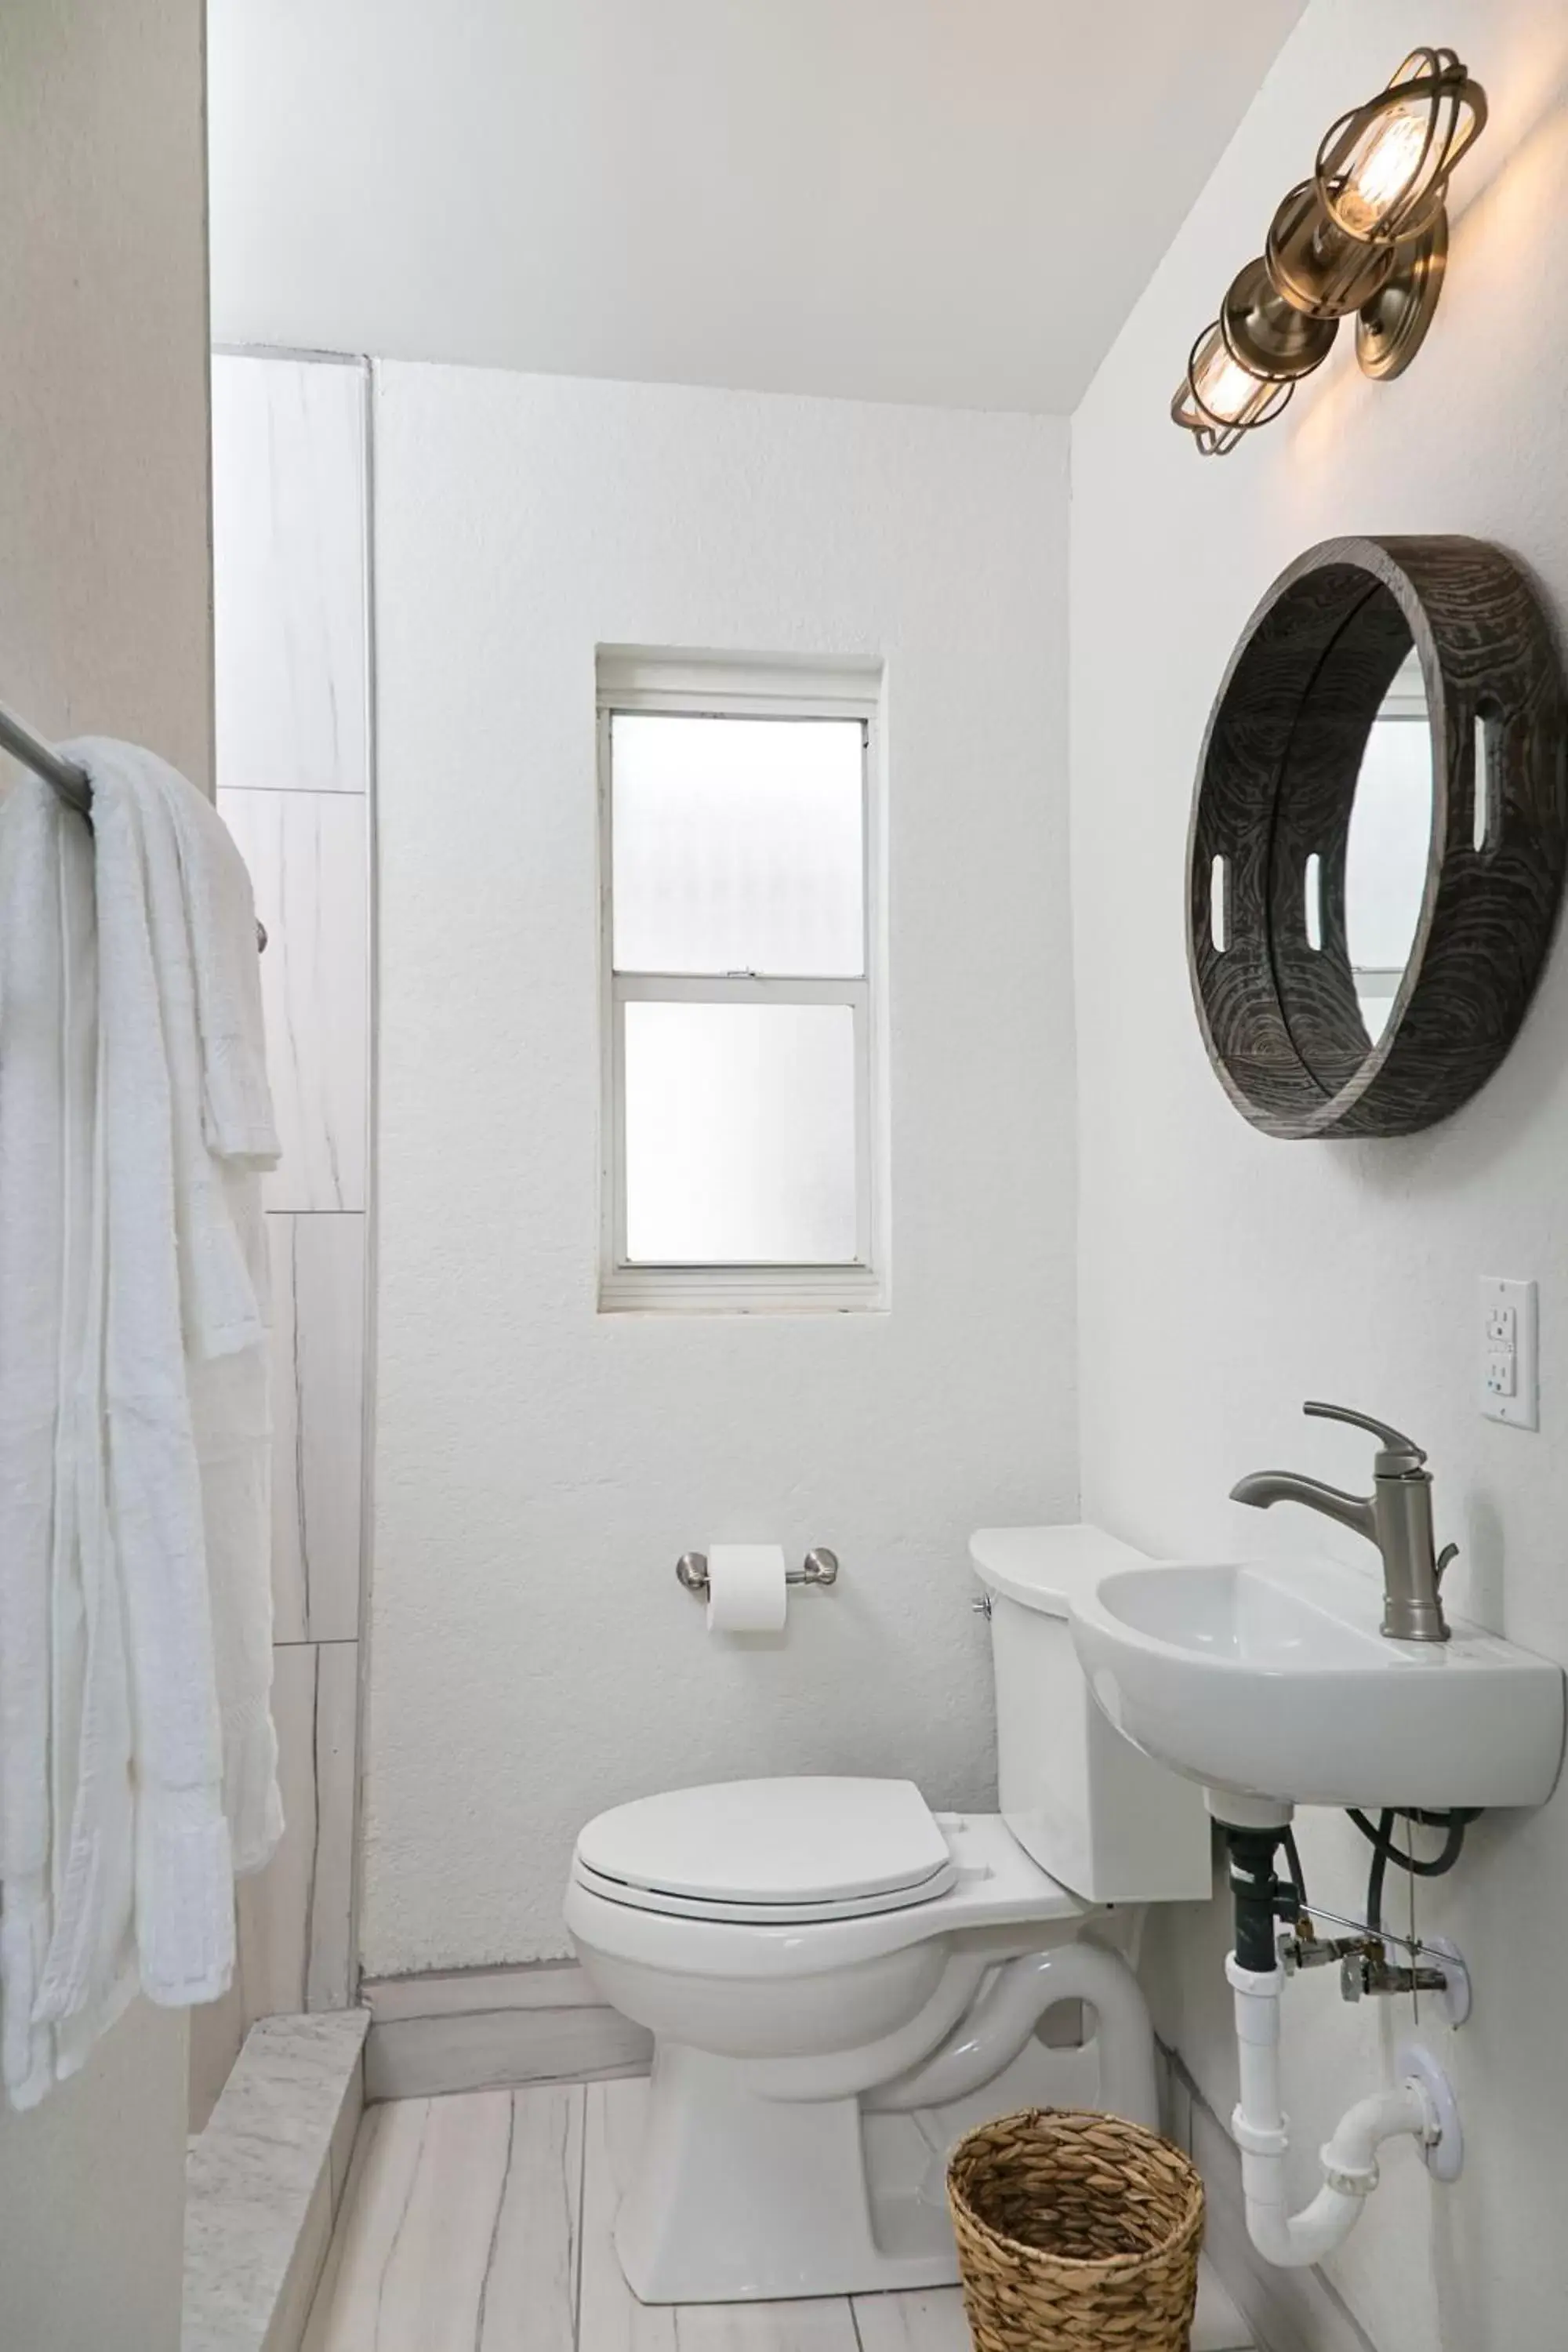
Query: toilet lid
<point>795,1848</point>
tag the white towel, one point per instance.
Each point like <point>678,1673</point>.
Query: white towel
<point>160,1620</point>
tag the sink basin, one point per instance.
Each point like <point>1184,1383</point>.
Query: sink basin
<point>1270,1680</point>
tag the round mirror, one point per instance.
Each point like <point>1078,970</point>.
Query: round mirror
<point>1388,845</point>
<point>1379,836</point>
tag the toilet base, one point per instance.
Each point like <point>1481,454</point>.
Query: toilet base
<point>735,2198</point>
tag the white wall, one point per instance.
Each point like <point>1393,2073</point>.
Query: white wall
<point>103,623</point>
<point>540,1467</point>
<point>1226,1276</point>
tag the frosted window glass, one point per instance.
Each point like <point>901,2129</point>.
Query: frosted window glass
<point>737,845</point>
<point>740,1134</point>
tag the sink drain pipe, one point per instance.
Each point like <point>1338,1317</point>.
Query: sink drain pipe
<point>1421,2106</point>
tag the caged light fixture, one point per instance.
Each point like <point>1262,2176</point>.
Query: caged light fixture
<point>1368,232</point>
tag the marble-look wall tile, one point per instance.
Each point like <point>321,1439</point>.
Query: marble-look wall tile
<point>458,1992</point>
<point>295,1915</point>
<point>420,2057</point>
<point>318,1403</point>
<point>289,573</point>
<point>307,858</point>
<point>218,2030</point>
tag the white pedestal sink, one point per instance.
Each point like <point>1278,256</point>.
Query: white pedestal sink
<point>1270,1681</point>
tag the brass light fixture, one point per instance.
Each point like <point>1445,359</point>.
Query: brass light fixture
<point>1367,232</point>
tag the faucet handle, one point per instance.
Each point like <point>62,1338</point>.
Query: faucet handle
<point>1393,1444</point>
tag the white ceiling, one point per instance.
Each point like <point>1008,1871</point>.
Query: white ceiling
<point>953,201</point>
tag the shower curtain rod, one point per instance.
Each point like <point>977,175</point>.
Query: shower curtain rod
<point>72,783</point>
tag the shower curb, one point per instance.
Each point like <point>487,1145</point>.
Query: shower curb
<point>264,2181</point>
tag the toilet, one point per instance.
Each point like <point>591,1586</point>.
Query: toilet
<point>839,1981</point>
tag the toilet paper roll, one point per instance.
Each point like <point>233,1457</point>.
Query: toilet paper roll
<point>746,1590</point>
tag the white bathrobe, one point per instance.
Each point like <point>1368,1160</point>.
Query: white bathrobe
<point>49,1033</point>
<point>158,1634</point>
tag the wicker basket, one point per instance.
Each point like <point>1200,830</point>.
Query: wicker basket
<point>1076,2233</point>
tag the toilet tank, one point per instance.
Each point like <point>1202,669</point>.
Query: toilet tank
<point>1102,1817</point>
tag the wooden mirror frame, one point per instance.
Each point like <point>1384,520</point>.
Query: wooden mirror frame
<point>1277,783</point>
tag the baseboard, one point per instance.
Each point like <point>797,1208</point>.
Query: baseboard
<point>1288,2310</point>
<point>490,2029</point>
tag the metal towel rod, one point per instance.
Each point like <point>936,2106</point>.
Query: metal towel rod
<point>73,783</point>
<point>69,780</point>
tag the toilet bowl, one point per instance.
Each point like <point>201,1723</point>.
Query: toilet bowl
<point>776,2041</point>
<point>839,1980</point>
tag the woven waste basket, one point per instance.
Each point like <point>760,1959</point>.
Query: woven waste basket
<point>1076,2233</point>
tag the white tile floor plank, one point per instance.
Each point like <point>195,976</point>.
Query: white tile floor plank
<point>322,2305</point>
<point>483,2222</point>
<point>1217,2325</point>
<point>822,2324</point>
<point>531,2287</point>
<point>610,2318</point>
<point>459,2228</point>
<point>375,2199</point>
<point>934,2322</point>
<point>929,2321</point>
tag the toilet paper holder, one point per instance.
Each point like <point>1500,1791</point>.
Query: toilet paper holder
<point>819,1567</point>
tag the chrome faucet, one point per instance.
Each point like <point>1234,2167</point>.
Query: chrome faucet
<point>1396,1517</point>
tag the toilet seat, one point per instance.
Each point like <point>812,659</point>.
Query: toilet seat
<point>996,1885</point>
<point>780,1853</point>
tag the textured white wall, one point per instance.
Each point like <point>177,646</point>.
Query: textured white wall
<point>1226,1276</point>
<point>539,1467</point>
<point>104,596</point>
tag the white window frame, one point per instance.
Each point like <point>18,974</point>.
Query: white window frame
<point>631,681</point>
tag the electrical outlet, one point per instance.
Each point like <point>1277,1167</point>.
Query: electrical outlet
<point>1509,1383</point>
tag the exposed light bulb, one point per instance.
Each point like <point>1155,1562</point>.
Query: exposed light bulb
<point>1218,399</point>
<point>1223,386</point>
<point>1386,170</point>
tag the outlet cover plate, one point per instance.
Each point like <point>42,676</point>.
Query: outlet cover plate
<point>1509,1376</point>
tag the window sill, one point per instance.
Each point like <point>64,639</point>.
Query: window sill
<point>741,1290</point>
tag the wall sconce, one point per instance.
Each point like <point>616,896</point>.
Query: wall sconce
<point>1368,232</point>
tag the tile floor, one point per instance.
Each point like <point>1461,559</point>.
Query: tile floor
<point>480,2222</point>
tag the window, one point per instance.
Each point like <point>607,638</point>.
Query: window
<point>738,850</point>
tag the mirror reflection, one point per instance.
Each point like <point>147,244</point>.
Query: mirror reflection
<point>1385,858</point>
